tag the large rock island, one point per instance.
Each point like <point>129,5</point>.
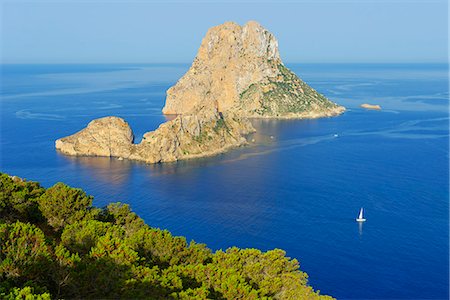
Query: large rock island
<point>240,69</point>
<point>237,74</point>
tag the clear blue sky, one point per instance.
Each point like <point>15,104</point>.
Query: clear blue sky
<point>171,31</point>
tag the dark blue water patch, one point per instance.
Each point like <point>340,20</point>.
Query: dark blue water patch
<point>298,186</point>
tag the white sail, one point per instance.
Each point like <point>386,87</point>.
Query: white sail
<point>361,214</point>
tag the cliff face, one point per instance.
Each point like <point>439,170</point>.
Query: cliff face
<point>239,69</point>
<point>202,133</point>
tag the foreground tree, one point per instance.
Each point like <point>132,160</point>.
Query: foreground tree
<point>18,199</point>
<point>62,205</point>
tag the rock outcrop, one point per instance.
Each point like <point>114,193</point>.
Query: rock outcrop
<point>109,136</point>
<point>371,106</point>
<point>239,68</point>
<point>204,132</point>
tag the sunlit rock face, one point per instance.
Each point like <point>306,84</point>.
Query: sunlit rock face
<point>109,136</point>
<point>239,68</point>
<point>203,132</point>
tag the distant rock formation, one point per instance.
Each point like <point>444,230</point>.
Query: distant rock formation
<point>237,74</point>
<point>371,106</point>
<point>239,69</point>
<point>204,132</point>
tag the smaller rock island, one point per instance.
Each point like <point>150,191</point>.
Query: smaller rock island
<point>204,132</point>
<point>371,106</point>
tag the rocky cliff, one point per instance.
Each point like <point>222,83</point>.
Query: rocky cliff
<point>204,132</point>
<point>239,68</point>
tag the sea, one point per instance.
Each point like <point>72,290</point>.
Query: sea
<point>298,186</point>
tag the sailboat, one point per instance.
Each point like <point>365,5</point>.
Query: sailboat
<point>361,216</point>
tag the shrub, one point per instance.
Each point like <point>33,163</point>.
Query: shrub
<point>62,205</point>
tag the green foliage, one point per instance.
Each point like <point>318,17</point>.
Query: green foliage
<point>86,253</point>
<point>18,198</point>
<point>160,248</point>
<point>220,124</point>
<point>283,95</point>
<point>202,137</point>
<point>26,293</point>
<point>80,237</point>
<point>62,205</point>
<point>121,215</point>
<point>24,253</point>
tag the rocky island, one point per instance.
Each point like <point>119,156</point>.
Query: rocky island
<point>237,74</point>
<point>239,68</point>
<point>203,133</point>
<point>371,106</point>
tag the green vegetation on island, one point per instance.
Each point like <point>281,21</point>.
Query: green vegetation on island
<point>284,95</point>
<point>54,244</point>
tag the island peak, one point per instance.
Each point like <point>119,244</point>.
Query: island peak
<point>240,69</point>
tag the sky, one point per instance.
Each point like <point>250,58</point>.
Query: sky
<point>138,31</point>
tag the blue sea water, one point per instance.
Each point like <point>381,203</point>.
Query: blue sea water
<point>299,190</point>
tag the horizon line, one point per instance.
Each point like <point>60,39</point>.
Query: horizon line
<point>189,63</point>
